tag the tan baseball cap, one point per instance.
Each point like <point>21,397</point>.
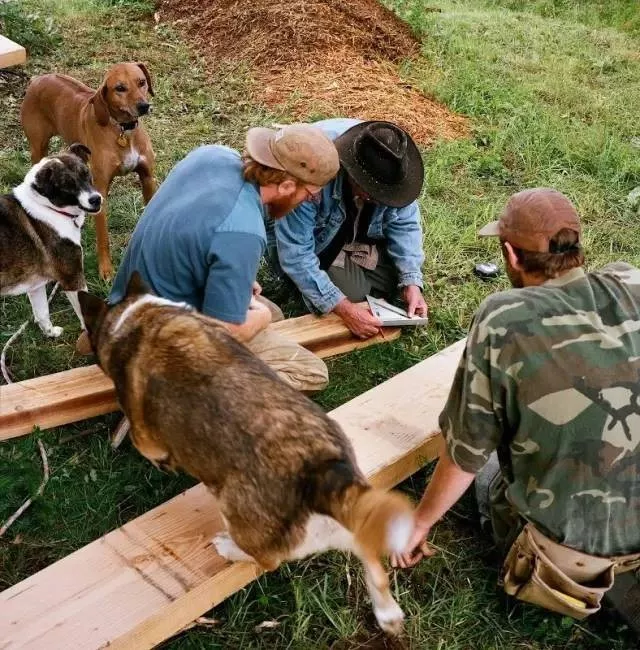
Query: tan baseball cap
<point>532,218</point>
<point>301,150</point>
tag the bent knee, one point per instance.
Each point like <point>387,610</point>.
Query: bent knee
<point>306,372</point>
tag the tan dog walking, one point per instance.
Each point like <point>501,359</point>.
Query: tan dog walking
<point>284,474</point>
<point>106,120</point>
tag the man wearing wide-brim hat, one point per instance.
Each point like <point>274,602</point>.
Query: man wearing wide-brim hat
<point>362,234</point>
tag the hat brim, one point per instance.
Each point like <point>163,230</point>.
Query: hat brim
<point>396,196</point>
<point>258,146</point>
<point>490,230</point>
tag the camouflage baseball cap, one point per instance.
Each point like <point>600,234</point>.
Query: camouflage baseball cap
<point>301,150</point>
<point>532,218</point>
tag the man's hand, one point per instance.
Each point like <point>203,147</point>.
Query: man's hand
<point>446,486</point>
<point>412,295</point>
<point>255,305</point>
<point>358,319</point>
<point>416,549</point>
<point>256,288</point>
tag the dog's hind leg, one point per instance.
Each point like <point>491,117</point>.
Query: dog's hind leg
<point>39,148</point>
<point>40,307</point>
<point>38,134</point>
<point>388,613</point>
<point>322,534</point>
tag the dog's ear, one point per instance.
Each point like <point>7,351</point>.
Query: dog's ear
<point>99,101</point>
<point>93,310</point>
<point>143,67</point>
<point>136,286</point>
<point>80,150</point>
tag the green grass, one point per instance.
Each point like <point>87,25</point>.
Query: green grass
<point>550,89</point>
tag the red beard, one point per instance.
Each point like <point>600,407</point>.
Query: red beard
<point>280,208</point>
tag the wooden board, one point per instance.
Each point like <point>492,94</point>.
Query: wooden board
<point>11,53</point>
<point>72,395</point>
<point>145,581</point>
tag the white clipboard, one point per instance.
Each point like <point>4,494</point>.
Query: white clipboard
<point>390,315</point>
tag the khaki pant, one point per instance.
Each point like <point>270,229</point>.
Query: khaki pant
<point>295,365</point>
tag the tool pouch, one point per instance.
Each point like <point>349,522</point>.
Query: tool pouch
<point>540,571</point>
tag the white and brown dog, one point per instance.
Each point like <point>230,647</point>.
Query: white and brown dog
<point>284,474</point>
<point>40,227</point>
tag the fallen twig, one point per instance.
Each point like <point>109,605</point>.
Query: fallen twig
<point>29,501</point>
<point>14,336</point>
<point>120,433</point>
<point>201,621</point>
<point>3,365</point>
<point>80,434</point>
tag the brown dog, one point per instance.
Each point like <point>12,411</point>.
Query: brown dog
<point>284,474</point>
<point>105,120</point>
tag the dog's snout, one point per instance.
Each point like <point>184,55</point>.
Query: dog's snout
<point>95,200</point>
<point>143,108</point>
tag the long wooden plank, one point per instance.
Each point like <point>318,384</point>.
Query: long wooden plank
<point>72,395</point>
<point>143,582</point>
<point>11,53</point>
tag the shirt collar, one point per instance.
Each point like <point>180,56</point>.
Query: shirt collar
<point>565,278</point>
<point>337,184</point>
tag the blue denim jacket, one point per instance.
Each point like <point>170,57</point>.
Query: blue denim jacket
<point>309,229</point>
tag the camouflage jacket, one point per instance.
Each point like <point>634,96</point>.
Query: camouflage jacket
<point>550,378</point>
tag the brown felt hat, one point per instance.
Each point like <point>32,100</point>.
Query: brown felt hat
<point>532,218</point>
<point>301,150</point>
<point>384,161</point>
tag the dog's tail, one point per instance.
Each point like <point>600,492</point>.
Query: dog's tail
<point>381,522</point>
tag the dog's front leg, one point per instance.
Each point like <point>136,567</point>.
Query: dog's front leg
<point>72,296</point>
<point>105,268</point>
<point>40,307</point>
<point>147,180</point>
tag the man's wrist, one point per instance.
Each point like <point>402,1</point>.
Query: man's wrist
<point>411,280</point>
<point>343,307</point>
<point>424,519</point>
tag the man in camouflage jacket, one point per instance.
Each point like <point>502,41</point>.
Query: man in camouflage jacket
<point>550,383</point>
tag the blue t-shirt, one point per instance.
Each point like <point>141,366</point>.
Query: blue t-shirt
<point>201,237</point>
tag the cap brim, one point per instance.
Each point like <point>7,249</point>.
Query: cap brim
<point>258,146</point>
<point>395,196</point>
<point>490,230</point>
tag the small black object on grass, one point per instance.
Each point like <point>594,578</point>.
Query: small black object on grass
<point>487,270</point>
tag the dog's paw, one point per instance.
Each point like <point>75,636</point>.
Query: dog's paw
<point>52,331</point>
<point>228,549</point>
<point>105,270</point>
<point>390,618</point>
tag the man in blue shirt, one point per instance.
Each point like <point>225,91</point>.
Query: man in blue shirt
<point>201,237</point>
<point>364,235</point>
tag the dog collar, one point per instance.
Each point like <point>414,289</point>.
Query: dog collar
<point>125,127</point>
<point>73,217</point>
<point>128,126</point>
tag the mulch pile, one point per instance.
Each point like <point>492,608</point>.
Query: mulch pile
<point>317,57</point>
